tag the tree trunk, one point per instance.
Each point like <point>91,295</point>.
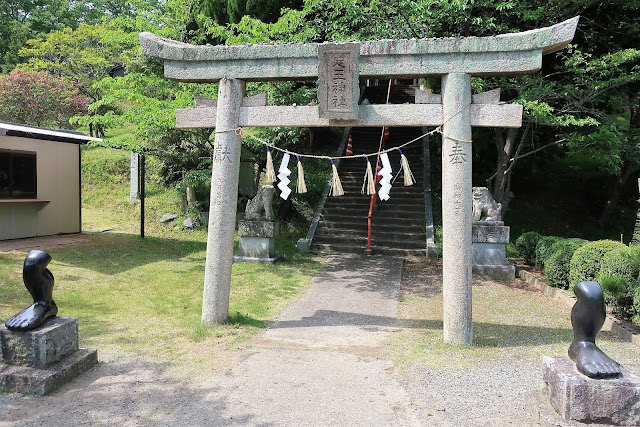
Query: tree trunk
<point>500,183</point>
<point>627,170</point>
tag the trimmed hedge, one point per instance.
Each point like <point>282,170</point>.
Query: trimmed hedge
<point>543,249</point>
<point>526,246</point>
<point>587,260</point>
<point>556,266</point>
<point>623,262</point>
<point>618,277</point>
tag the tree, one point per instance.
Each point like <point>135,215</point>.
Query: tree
<point>39,99</point>
<point>22,20</point>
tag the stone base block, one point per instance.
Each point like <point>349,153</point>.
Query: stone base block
<point>303,245</point>
<point>507,271</point>
<point>258,228</point>
<point>262,249</point>
<point>24,379</point>
<point>547,416</point>
<point>577,397</point>
<point>42,346</point>
<point>488,253</point>
<point>238,258</point>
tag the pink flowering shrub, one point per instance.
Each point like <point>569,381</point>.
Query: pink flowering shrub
<point>39,99</point>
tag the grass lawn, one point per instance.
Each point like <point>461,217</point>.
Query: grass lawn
<point>144,296</point>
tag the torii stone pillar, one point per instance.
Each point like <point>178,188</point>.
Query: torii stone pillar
<point>456,205</point>
<point>223,203</point>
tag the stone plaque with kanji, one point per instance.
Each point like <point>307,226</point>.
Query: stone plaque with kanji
<point>338,88</point>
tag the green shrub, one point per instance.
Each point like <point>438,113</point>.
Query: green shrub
<point>543,249</point>
<point>556,266</point>
<point>526,246</point>
<point>622,262</point>
<point>616,291</point>
<point>587,260</point>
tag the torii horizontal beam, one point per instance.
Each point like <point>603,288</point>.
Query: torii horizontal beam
<point>504,54</point>
<point>395,115</point>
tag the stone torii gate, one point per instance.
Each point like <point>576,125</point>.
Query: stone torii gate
<point>338,68</point>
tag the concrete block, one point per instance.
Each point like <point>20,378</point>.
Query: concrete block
<point>42,346</point>
<point>577,397</point>
<point>303,245</point>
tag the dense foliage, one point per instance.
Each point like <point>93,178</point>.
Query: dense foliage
<point>39,99</point>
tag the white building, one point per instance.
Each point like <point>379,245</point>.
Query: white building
<point>39,181</point>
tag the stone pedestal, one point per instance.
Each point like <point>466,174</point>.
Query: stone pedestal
<point>577,397</point>
<point>257,242</point>
<point>42,359</point>
<point>488,249</point>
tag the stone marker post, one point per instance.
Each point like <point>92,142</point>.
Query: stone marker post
<point>223,205</point>
<point>134,174</point>
<point>456,208</point>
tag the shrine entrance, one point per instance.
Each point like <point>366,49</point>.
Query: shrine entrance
<point>338,67</point>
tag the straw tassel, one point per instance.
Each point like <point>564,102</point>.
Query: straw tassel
<point>301,187</point>
<point>369,185</point>
<point>336,186</point>
<point>271,173</point>
<point>409,180</point>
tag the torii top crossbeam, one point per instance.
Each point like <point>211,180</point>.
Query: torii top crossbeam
<point>505,54</point>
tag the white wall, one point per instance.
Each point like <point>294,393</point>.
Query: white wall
<point>57,207</point>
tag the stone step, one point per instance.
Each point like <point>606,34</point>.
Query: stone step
<point>377,234</point>
<point>339,217</point>
<point>377,226</point>
<point>378,250</point>
<point>357,240</point>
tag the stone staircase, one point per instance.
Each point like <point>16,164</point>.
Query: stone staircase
<point>398,225</point>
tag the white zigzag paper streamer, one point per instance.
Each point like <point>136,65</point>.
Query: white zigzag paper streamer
<point>385,173</point>
<point>283,177</point>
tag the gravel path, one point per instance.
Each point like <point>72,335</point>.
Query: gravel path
<point>325,361</point>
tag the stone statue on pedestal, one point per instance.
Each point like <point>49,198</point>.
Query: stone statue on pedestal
<point>257,231</point>
<point>39,282</point>
<point>489,236</point>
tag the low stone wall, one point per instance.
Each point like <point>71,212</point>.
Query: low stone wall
<point>565,297</point>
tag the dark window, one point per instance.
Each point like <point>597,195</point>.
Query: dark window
<point>17,175</point>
